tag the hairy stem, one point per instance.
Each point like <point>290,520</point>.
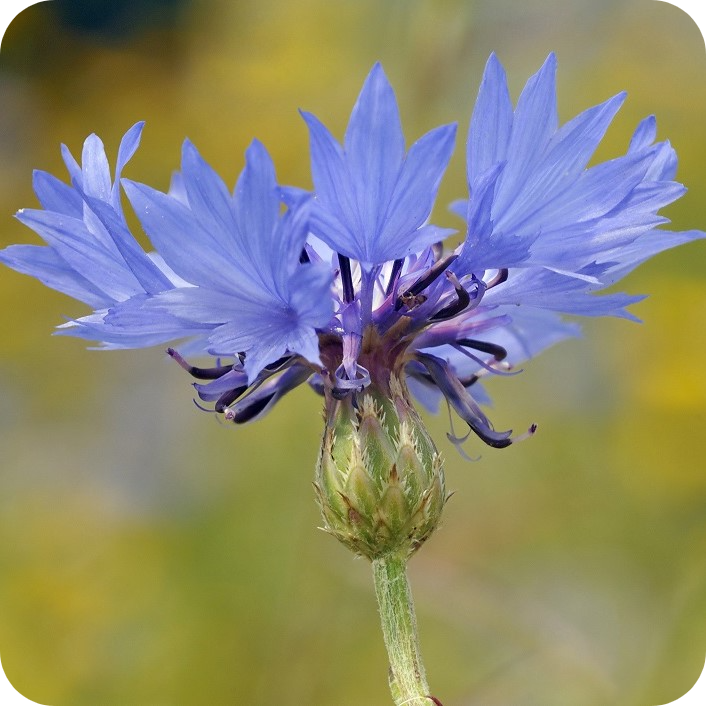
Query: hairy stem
<point>408,681</point>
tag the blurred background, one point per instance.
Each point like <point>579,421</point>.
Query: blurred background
<point>150,556</point>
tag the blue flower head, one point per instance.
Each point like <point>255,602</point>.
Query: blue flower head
<point>349,287</point>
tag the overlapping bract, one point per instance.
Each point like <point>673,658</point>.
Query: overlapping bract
<point>326,287</point>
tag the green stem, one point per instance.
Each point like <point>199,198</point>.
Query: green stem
<point>408,681</point>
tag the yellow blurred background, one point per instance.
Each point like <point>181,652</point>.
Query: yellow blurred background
<point>152,557</point>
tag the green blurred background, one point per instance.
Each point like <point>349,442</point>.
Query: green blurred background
<point>152,557</point>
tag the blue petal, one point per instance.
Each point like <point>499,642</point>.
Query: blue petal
<point>136,260</point>
<point>56,196</point>
<point>535,121</point>
<point>96,170</point>
<point>126,326</point>
<point>72,166</point>
<point>565,158</point>
<point>261,325</point>
<point>484,248</point>
<point>546,289</point>
<point>414,195</point>
<point>186,246</point>
<point>257,205</point>
<point>79,249</point>
<point>337,210</point>
<point>127,149</point>
<point>374,147</point>
<point>491,123</point>
<point>208,198</point>
<point>50,269</point>
<point>371,202</point>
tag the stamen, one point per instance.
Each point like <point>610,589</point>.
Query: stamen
<point>248,412</point>
<point>433,273</point>
<point>263,395</point>
<point>278,364</point>
<point>491,367</point>
<point>464,404</point>
<point>346,279</point>
<point>227,398</point>
<point>499,278</point>
<point>394,275</point>
<point>498,352</point>
<point>462,301</point>
<point>199,373</point>
<point>202,408</point>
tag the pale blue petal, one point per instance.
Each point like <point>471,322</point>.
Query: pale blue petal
<point>186,246</point>
<point>72,166</point>
<point>96,170</point>
<point>535,121</point>
<point>136,260</point>
<point>79,249</point>
<point>50,269</point>
<point>126,151</point>
<point>209,199</point>
<point>56,196</point>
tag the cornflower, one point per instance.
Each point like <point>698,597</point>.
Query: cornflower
<point>350,289</point>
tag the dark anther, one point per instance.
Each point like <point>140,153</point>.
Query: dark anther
<point>466,382</point>
<point>248,412</point>
<point>435,700</point>
<point>227,398</point>
<point>469,381</point>
<point>499,278</point>
<point>463,299</point>
<point>394,274</point>
<point>498,352</point>
<point>199,373</point>
<point>304,257</point>
<point>463,403</point>
<point>423,282</point>
<point>346,278</point>
<point>278,364</point>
